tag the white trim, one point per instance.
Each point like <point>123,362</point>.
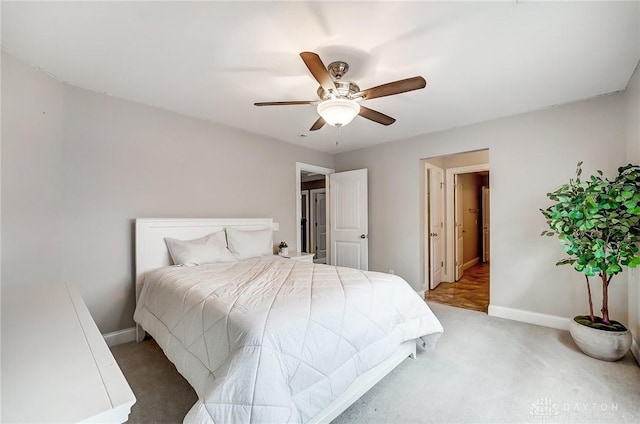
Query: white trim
<point>449,271</point>
<point>119,337</point>
<point>635,350</point>
<point>421,293</point>
<point>529,317</point>
<point>365,382</point>
<point>425,256</point>
<point>470,263</point>
<point>298,193</point>
<point>552,321</point>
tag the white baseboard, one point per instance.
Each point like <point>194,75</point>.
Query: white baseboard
<point>470,263</point>
<point>635,349</point>
<point>119,337</point>
<point>552,321</point>
<point>544,320</point>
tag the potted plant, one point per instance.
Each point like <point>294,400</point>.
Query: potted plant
<point>283,249</point>
<point>597,223</point>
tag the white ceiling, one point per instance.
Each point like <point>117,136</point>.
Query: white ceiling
<point>213,60</point>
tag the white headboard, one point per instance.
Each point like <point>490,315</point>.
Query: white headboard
<point>151,250</point>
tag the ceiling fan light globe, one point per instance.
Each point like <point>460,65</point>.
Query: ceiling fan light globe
<point>338,112</point>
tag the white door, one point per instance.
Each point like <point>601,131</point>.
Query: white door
<point>319,199</point>
<point>349,219</point>
<point>457,196</point>
<point>436,224</point>
<point>485,224</point>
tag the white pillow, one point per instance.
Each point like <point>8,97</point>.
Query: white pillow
<point>250,243</point>
<point>206,250</point>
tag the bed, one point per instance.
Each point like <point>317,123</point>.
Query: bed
<point>267,339</point>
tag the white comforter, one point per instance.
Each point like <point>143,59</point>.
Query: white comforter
<point>276,340</point>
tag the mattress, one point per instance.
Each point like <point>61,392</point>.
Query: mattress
<point>275,340</point>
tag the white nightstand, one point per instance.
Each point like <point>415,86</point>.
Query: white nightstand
<point>300,256</point>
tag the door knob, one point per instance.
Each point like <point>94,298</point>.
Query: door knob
<point>362,236</point>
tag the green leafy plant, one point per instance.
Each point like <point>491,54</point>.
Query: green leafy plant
<point>597,223</point>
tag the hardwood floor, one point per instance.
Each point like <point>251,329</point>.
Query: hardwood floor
<point>470,292</point>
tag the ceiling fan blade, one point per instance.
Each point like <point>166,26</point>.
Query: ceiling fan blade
<point>391,88</point>
<point>318,124</point>
<point>318,70</point>
<point>293,102</point>
<point>375,116</point>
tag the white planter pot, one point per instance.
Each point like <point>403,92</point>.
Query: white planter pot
<point>284,251</point>
<point>600,344</point>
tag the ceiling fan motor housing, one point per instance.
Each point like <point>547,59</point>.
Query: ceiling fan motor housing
<point>343,89</point>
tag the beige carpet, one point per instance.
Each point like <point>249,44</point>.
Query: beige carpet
<point>483,370</point>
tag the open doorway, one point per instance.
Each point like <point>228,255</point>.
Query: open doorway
<point>311,210</point>
<point>314,217</point>
<point>465,246</point>
<point>472,220</point>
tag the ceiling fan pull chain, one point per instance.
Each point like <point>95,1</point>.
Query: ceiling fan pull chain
<point>338,137</point>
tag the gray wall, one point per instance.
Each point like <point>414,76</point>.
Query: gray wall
<point>79,167</point>
<point>32,209</point>
<point>632,98</point>
<point>530,155</point>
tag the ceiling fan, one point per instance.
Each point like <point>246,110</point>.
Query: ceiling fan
<point>340,100</point>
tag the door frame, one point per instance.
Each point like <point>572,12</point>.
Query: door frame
<point>486,220</point>
<point>458,228</point>
<point>450,214</point>
<point>300,166</point>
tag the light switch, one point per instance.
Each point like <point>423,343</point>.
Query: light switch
<point>276,226</point>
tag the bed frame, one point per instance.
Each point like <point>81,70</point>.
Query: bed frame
<point>152,253</point>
